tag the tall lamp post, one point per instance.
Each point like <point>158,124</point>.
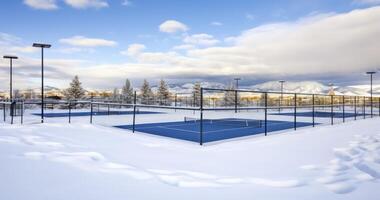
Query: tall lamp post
<point>42,46</point>
<point>237,82</point>
<point>371,74</point>
<point>282,93</point>
<point>10,74</point>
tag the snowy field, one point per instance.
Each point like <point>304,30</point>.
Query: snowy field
<point>57,160</point>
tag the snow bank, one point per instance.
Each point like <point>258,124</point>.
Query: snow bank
<point>82,161</point>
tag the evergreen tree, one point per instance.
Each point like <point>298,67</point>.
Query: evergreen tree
<point>127,92</point>
<point>146,92</point>
<point>229,96</point>
<point>197,94</point>
<point>163,93</point>
<point>75,91</point>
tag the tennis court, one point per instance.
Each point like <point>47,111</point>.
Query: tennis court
<point>213,130</point>
<point>99,113</point>
<point>321,114</point>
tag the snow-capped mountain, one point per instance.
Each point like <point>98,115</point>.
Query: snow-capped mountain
<point>299,87</point>
<point>188,87</point>
<point>289,86</point>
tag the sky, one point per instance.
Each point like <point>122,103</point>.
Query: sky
<point>106,41</point>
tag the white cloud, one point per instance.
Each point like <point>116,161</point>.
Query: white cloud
<point>202,39</point>
<point>323,45</point>
<point>172,26</point>
<point>82,41</point>
<point>217,23</point>
<point>6,39</point>
<point>184,47</point>
<point>42,4</point>
<point>82,4</point>
<point>367,2</point>
<point>24,49</point>
<point>126,3</point>
<point>71,50</point>
<point>133,50</point>
<point>13,44</point>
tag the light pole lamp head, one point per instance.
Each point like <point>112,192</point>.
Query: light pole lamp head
<point>281,81</point>
<point>371,73</point>
<point>41,45</point>
<point>10,57</point>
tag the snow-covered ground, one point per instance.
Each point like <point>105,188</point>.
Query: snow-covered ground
<point>57,160</point>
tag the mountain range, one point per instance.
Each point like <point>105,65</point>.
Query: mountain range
<point>289,86</point>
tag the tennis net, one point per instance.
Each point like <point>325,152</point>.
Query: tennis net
<point>229,122</point>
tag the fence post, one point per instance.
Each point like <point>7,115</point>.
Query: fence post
<point>379,105</point>
<point>12,110</point>
<point>295,111</point>
<point>201,119</point>
<point>371,105</point>
<point>343,109</point>
<point>134,112</point>
<point>4,115</point>
<point>355,107</point>
<point>332,109</point>
<point>175,102</point>
<point>236,101</point>
<point>266,113</point>
<point>22,112</point>
<point>91,111</point>
<point>364,104</point>
<point>108,109</point>
<point>313,99</point>
<point>69,111</point>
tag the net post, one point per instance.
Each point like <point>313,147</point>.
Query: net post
<point>344,117</point>
<point>201,119</point>
<point>134,112</point>
<point>313,99</point>
<point>332,109</point>
<point>266,113</point>
<point>354,107</point>
<point>236,101</point>
<point>295,111</point>
<point>108,109</point>
<point>69,111</point>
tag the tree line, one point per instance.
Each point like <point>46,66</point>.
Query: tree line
<point>146,96</point>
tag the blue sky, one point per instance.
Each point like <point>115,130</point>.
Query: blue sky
<point>101,36</point>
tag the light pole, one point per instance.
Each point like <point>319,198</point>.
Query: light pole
<point>42,46</point>
<point>237,82</point>
<point>371,74</point>
<point>282,93</point>
<point>10,74</point>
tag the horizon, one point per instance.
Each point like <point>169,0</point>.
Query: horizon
<point>102,42</point>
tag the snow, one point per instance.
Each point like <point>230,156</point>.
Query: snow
<point>57,160</point>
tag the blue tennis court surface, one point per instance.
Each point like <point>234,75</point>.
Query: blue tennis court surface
<point>81,114</point>
<point>321,114</point>
<point>212,131</point>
